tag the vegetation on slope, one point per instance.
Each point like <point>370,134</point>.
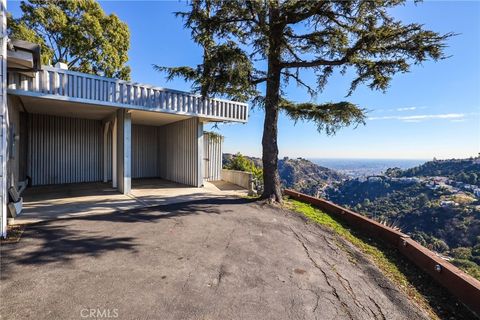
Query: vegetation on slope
<point>407,277</point>
<point>299,174</point>
<point>425,213</point>
<point>421,212</point>
<point>242,163</point>
<point>462,170</point>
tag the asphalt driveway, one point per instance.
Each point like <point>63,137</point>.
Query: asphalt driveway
<point>223,258</point>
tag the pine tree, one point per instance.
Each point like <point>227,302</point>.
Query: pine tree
<point>291,37</point>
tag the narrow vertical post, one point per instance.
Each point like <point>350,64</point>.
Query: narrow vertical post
<point>124,150</point>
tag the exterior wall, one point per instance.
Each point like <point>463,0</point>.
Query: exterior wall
<point>240,178</point>
<point>181,145</point>
<point>145,151</point>
<point>64,150</point>
<point>212,160</point>
<point>108,154</point>
<point>3,120</point>
<point>13,142</point>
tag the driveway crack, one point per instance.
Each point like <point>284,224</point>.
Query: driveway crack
<point>378,308</point>
<point>327,280</point>
<point>315,293</point>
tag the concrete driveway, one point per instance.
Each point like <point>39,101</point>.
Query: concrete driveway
<point>51,202</point>
<point>222,258</point>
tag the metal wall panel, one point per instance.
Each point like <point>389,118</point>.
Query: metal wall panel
<point>109,153</point>
<point>212,161</point>
<point>64,150</point>
<point>178,152</point>
<point>145,151</point>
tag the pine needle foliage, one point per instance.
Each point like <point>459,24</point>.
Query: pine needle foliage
<point>253,49</point>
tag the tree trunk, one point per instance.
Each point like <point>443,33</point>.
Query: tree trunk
<point>271,179</point>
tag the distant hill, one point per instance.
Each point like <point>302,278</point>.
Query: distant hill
<point>300,174</point>
<point>462,170</point>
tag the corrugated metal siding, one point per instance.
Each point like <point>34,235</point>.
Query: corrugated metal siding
<point>178,153</point>
<point>212,161</point>
<point>145,151</point>
<point>64,150</point>
<point>109,153</point>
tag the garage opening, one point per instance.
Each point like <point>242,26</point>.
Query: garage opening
<point>167,151</point>
<point>58,142</point>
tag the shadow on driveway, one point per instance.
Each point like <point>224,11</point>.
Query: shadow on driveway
<point>56,241</point>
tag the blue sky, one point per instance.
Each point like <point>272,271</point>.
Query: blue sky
<point>433,111</point>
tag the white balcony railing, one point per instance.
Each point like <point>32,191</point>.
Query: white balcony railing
<point>55,83</point>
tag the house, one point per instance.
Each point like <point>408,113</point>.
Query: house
<point>375,178</point>
<point>409,180</point>
<point>476,192</point>
<point>64,127</point>
<point>448,204</point>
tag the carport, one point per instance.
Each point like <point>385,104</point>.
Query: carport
<point>59,142</point>
<point>75,155</point>
<point>67,130</point>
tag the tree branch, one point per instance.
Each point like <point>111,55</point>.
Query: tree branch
<point>299,81</point>
<point>329,117</point>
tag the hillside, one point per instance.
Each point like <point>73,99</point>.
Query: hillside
<point>461,170</point>
<point>307,177</point>
<point>440,213</point>
<point>299,174</point>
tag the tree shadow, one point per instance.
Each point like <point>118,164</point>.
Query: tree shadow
<point>59,241</point>
<point>191,206</point>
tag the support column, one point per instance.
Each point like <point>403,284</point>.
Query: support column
<point>124,150</point>
<point>200,152</point>
<point>3,111</point>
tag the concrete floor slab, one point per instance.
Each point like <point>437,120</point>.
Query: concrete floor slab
<point>43,203</point>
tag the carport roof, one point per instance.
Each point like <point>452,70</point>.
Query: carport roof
<point>37,105</point>
<point>56,84</point>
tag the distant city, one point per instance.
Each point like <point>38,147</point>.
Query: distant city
<point>357,168</point>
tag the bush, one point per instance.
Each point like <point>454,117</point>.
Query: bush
<point>461,253</point>
<point>242,163</point>
<point>468,266</point>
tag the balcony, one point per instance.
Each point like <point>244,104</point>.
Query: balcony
<point>61,84</point>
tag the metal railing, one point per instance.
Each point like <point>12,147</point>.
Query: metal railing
<point>64,84</point>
